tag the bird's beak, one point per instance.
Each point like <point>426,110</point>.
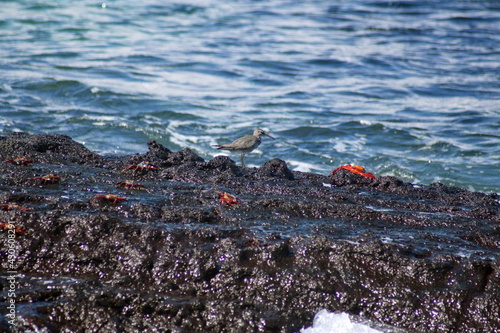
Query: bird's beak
<point>268,136</point>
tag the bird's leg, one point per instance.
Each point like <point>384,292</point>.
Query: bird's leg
<point>243,160</point>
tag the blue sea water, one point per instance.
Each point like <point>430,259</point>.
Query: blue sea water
<point>404,88</point>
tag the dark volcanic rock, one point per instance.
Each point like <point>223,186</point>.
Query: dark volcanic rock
<point>174,258</point>
<point>223,165</point>
<point>156,150</point>
<point>275,168</point>
<point>45,148</point>
<point>343,178</point>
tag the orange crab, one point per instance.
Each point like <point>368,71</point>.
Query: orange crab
<point>228,199</point>
<point>19,231</point>
<point>18,161</point>
<point>357,169</point>
<point>131,184</point>
<point>143,166</point>
<point>108,197</point>
<point>47,179</point>
<point>9,207</point>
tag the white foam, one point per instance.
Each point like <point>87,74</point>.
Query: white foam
<point>340,146</point>
<point>6,87</point>
<point>302,166</point>
<point>328,322</point>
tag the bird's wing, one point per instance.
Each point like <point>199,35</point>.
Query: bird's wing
<point>240,141</point>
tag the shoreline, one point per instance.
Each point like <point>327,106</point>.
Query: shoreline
<point>172,256</point>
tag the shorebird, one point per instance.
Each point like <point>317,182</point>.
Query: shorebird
<point>245,144</point>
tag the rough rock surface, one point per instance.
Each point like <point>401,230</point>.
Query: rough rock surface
<point>173,258</point>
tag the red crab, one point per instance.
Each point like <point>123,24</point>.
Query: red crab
<point>131,184</point>
<point>47,179</point>
<point>357,169</point>
<point>18,161</point>
<point>9,207</point>
<point>144,165</point>
<point>108,197</point>
<point>5,227</point>
<point>228,199</point>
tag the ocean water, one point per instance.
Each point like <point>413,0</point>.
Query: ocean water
<point>404,88</point>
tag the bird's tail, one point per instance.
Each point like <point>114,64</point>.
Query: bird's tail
<point>218,146</point>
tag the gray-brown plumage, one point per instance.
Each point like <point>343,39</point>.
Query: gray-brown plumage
<point>245,144</point>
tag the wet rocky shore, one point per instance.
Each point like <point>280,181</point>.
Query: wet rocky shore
<point>173,258</point>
